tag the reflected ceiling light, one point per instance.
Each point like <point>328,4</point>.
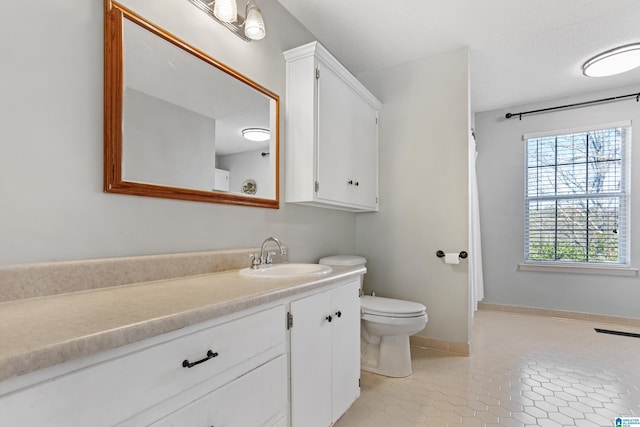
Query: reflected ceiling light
<point>256,134</point>
<point>614,61</point>
<point>250,27</point>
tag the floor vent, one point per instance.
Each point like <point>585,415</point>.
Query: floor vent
<point>624,334</point>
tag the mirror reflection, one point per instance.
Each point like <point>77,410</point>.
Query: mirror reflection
<point>182,120</point>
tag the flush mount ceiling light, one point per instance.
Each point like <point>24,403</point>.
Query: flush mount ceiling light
<point>614,61</point>
<point>225,12</point>
<point>256,134</point>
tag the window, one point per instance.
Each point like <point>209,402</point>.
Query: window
<point>577,196</point>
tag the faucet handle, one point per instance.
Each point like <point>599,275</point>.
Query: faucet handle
<point>255,260</point>
<point>270,255</point>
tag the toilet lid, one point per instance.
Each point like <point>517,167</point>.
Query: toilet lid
<point>390,307</point>
<point>347,260</point>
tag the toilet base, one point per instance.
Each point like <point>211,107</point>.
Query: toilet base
<point>387,355</point>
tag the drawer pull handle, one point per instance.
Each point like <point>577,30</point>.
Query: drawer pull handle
<point>339,313</point>
<point>210,355</point>
<point>329,318</point>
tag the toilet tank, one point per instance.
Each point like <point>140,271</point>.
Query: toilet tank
<point>345,261</point>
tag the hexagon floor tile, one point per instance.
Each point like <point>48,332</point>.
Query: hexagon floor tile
<point>524,371</point>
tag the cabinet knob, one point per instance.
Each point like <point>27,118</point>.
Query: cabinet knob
<point>339,313</point>
<point>350,182</point>
<point>329,318</point>
<point>357,183</point>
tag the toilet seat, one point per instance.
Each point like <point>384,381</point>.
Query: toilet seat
<point>389,307</point>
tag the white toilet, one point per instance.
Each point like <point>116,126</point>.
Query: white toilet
<point>385,327</point>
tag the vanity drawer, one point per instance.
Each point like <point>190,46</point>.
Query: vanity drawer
<point>118,389</point>
<point>234,348</point>
<point>258,398</point>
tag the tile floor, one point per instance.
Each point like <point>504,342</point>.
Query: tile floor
<point>523,371</point>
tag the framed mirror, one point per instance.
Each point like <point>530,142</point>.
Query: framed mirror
<point>174,120</point>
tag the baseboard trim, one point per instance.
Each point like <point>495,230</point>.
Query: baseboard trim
<point>457,348</point>
<point>562,314</point>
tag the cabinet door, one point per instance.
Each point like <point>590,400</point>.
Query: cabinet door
<point>365,155</point>
<point>335,122</point>
<point>255,399</point>
<point>345,348</point>
<point>310,362</point>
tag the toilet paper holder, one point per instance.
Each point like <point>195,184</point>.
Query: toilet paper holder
<point>462,255</point>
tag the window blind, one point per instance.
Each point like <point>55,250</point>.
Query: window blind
<point>577,196</point>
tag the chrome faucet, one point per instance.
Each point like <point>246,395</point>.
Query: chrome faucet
<point>264,259</point>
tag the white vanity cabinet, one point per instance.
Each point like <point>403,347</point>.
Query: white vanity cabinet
<point>332,133</point>
<point>240,361</point>
<point>246,367</point>
<point>325,355</point>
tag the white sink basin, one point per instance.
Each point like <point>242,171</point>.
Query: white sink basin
<point>281,271</point>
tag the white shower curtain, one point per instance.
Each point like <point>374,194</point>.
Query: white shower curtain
<point>476,284</point>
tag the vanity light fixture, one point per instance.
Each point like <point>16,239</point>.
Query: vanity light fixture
<point>614,61</point>
<point>256,134</point>
<point>248,27</point>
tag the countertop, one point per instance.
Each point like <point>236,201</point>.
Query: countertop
<point>40,332</point>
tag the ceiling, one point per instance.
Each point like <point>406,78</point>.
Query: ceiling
<point>520,51</point>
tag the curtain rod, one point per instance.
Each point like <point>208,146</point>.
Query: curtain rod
<point>578,104</point>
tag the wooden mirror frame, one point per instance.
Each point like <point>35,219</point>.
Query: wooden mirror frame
<point>114,14</point>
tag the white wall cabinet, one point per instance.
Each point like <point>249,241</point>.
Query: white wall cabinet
<point>332,133</point>
<point>325,356</point>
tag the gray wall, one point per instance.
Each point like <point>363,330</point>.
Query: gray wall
<point>501,188</point>
<point>51,159</point>
<point>423,190</point>
<point>51,147</point>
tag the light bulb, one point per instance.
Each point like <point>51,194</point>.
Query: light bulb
<point>226,10</point>
<point>254,24</point>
